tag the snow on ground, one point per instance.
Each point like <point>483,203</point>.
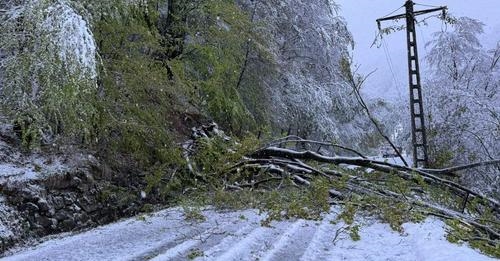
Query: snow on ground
<point>5,231</point>
<point>10,170</point>
<point>238,235</point>
<point>17,166</point>
<point>391,160</point>
<point>31,167</point>
<point>394,160</point>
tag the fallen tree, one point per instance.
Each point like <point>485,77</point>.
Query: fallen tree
<point>394,192</point>
<point>404,172</point>
<point>275,162</point>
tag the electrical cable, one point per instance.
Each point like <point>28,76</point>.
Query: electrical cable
<point>424,44</point>
<point>422,36</point>
<point>393,11</point>
<point>427,5</point>
<point>391,68</point>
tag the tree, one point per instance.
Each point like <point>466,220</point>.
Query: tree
<point>49,68</point>
<point>464,106</point>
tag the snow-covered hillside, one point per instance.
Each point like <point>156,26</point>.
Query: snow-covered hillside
<point>168,235</point>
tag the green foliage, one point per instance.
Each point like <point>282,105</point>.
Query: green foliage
<point>445,197</point>
<point>193,214</point>
<point>398,184</point>
<point>280,205</point>
<point>340,183</point>
<point>223,199</point>
<point>116,196</point>
<point>150,71</point>
<point>395,215</point>
<point>45,85</point>
<point>290,202</point>
<point>306,203</point>
<point>141,218</point>
<point>165,183</point>
<point>419,179</point>
<point>487,247</point>
<point>216,155</point>
<point>147,208</point>
<point>215,54</point>
<point>150,74</point>
<point>354,233</point>
<point>441,158</point>
<point>195,253</point>
<point>348,214</point>
<point>318,195</point>
<point>460,232</point>
<point>139,101</point>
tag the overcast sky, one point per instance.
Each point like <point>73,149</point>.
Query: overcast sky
<point>361,16</point>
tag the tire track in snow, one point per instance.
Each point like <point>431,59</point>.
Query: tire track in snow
<point>184,240</point>
<point>182,248</point>
<point>300,232</point>
<point>231,222</point>
<point>228,241</point>
<point>319,242</point>
<point>256,242</point>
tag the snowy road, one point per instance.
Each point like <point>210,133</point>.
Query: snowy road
<point>167,235</point>
<point>394,160</point>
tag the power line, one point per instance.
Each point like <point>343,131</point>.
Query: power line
<point>393,11</point>
<point>391,67</point>
<point>427,5</point>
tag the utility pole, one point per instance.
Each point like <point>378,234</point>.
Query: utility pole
<point>419,137</point>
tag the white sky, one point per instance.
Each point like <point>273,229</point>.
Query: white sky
<point>361,16</point>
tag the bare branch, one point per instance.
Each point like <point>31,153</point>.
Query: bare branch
<point>322,143</point>
<point>463,167</point>
<point>356,84</point>
<point>377,165</point>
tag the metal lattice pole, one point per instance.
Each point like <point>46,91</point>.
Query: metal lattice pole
<point>419,137</point>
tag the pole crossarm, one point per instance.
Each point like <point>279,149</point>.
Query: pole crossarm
<point>416,13</point>
<point>422,12</point>
<point>394,17</point>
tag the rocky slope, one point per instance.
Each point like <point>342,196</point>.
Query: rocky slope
<point>53,192</point>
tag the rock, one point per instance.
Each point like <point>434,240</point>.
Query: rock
<point>75,208</point>
<point>86,177</point>
<point>33,220</point>
<point>58,202</point>
<point>30,207</point>
<point>43,205</point>
<point>59,183</point>
<point>75,182</point>
<point>48,223</point>
<point>37,228</point>
<point>68,224</point>
<point>62,215</point>
<point>81,219</point>
<point>86,204</point>
<point>18,193</point>
<point>69,199</point>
